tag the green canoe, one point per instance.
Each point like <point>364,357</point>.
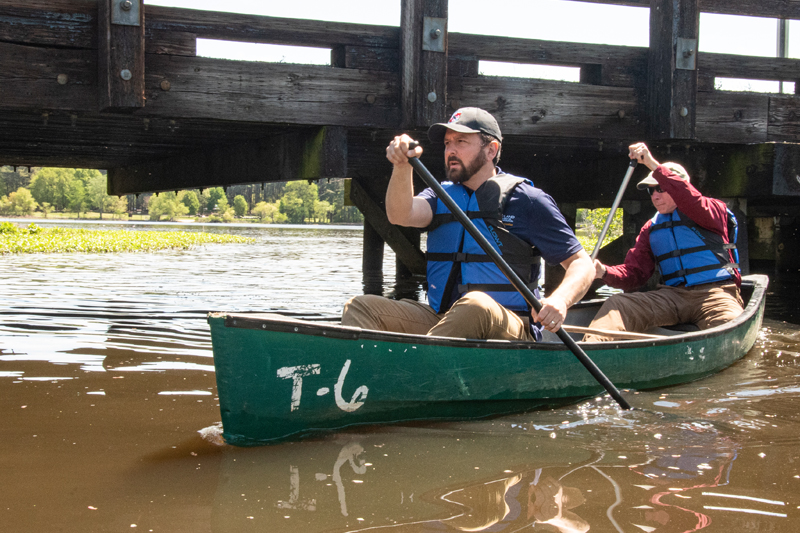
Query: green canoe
<point>280,377</point>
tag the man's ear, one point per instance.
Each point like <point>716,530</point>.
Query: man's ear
<point>494,147</point>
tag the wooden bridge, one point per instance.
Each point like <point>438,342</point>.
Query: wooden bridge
<point>117,85</point>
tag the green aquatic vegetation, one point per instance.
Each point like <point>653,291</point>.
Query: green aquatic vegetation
<point>35,239</point>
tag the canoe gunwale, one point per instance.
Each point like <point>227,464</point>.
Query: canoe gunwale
<point>284,324</point>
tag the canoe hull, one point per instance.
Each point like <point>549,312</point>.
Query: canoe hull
<point>279,378</point>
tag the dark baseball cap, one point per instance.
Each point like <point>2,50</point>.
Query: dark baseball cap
<point>467,120</point>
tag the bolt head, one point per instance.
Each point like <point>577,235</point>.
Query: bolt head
<point>432,96</point>
<point>126,5</point>
<point>125,74</point>
<point>436,33</point>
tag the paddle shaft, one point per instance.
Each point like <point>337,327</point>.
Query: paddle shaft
<point>614,206</point>
<point>515,280</point>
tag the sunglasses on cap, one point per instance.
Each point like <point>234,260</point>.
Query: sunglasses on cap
<point>651,190</point>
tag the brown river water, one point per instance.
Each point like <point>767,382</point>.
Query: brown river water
<point>109,417</point>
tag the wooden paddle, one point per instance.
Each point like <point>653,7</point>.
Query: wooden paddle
<point>512,276</point>
<point>614,206</point>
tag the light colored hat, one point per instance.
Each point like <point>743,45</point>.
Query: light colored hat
<point>650,181</point>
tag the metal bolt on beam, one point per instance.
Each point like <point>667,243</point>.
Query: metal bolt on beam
<point>432,96</point>
<point>126,5</point>
<point>62,79</point>
<point>125,74</point>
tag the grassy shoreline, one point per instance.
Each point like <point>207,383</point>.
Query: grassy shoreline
<point>35,239</point>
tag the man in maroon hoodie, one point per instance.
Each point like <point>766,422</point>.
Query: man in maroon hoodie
<point>689,240</point>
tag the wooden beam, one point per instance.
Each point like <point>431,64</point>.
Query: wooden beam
<point>276,30</point>
<point>405,250</point>
<point>748,67</point>
<point>270,92</point>
<point>65,23</point>
<point>423,62</point>
<point>311,154</point>
<point>672,69</point>
<point>550,108</point>
<point>46,79</point>
<point>120,54</point>
<point>789,9</point>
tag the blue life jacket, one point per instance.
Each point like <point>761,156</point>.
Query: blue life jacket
<point>456,262</point>
<point>690,254</point>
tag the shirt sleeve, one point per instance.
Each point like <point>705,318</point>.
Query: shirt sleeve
<point>638,266</point>
<point>430,197</point>
<point>533,216</point>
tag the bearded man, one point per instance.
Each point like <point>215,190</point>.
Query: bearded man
<point>468,295</point>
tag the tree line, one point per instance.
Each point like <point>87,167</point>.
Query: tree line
<point>46,190</point>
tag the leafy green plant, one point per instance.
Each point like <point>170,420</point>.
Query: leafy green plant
<point>7,228</point>
<point>62,240</point>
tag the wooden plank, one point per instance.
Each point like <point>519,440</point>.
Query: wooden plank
<point>404,249</point>
<point>311,154</point>
<point>423,97</point>
<point>784,119</point>
<point>520,50</point>
<point>549,108</point>
<point>47,79</point>
<point>66,23</point>
<point>172,43</point>
<point>276,30</point>
<point>432,88</point>
<point>620,66</point>
<point>201,87</point>
<point>410,57</point>
<point>120,58</point>
<point>748,67</point>
<point>789,9</point>
<point>753,8</point>
<point>671,91</point>
<point>727,117</point>
<point>367,58</point>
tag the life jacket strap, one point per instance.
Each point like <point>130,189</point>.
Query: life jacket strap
<point>689,271</point>
<point>459,257</point>
<point>490,287</point>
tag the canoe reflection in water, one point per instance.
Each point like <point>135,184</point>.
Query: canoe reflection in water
<point>448,481</point>
<point>540,500</point>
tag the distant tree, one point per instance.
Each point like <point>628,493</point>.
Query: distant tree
<point>166,204</point>
<point>76,197</point>
<point>12,179</point>
<point>292,207</point>
<point>269,212</point>
<point>595,219</point>
<point>118,205</point>
<point>190,200</point>
<point>5,207</point>
<point>52,185</point>
<point>46,208</point>
<point>299,200</point>
<point>216,194</point>
<point>22,202</point>
<point>240,205</point>
<point>97,196</point>
<point>322,211</point>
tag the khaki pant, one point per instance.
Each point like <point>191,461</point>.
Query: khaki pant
<point>707,305</point>
<point>474,316</point>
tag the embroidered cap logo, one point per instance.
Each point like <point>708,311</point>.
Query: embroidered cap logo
<point>455,117</point>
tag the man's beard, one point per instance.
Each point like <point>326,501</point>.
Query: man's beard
<point>464,172</point>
